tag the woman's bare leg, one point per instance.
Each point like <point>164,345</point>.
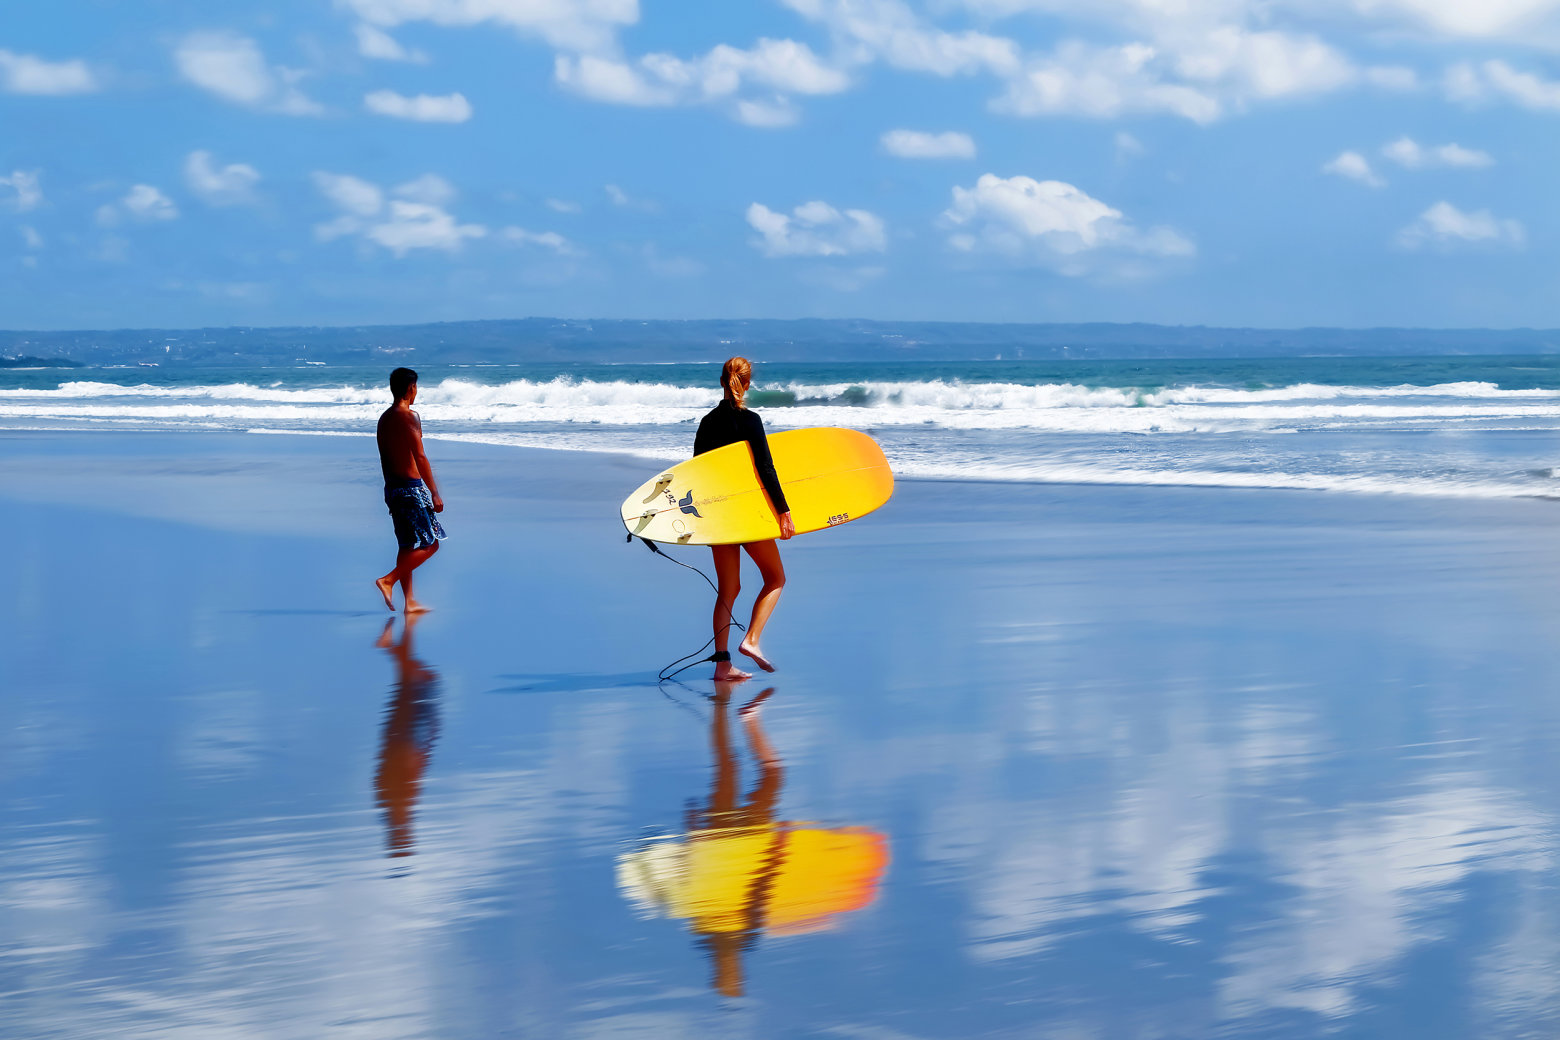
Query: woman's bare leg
<point>728,577</point>
<point>767,556</point>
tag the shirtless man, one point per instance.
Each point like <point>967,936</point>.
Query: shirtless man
<point>410,492</point>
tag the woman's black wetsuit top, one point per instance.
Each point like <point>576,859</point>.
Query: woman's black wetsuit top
<point>728,424</point>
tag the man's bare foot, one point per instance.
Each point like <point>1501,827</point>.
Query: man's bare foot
<point>384,585</point>
<point>757,655</point>
<point>413,607</point>
<point>384,642</point>
<point>725,672</point>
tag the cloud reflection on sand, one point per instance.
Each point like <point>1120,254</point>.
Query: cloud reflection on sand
<point>1150,845</point>
<point>283,923</point>
<point>1366,882</point>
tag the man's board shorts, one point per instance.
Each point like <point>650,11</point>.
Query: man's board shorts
<point>411,507</point>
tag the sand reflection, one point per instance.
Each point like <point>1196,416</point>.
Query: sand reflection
<point>738,872</point>
<point>411,727</point>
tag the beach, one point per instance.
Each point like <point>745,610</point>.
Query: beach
<point>1137,760</point>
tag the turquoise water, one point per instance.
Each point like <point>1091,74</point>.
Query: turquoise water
<point>1441,426</point>
<point>1515,372</point>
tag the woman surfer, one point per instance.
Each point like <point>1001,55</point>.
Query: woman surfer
<point>728,423</point>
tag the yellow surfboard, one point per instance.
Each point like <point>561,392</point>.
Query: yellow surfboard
<point>831,476</point>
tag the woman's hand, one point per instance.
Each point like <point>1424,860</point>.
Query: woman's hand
<point>787,529</point>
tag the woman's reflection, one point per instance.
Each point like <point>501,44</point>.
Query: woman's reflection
<point>738,873</point>
<point>411,726</point>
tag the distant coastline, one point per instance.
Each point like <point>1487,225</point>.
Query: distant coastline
<point>556,340</point>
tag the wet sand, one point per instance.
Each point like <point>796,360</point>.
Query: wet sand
<point>1039,760</point>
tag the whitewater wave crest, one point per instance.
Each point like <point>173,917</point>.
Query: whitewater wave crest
<point>1047,407</point>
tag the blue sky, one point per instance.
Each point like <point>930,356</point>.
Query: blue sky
<point>1233,162</point>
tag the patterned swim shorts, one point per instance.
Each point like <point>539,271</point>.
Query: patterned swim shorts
<point>411,507</point>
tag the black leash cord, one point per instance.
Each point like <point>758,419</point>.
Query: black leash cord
<point>668,672</point>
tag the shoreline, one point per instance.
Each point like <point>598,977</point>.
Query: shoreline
<point>1304,484</point>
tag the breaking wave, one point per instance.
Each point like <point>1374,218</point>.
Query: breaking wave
<point>1303,436</point>
<point>1048,407</point>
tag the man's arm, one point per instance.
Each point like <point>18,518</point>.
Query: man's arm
<point>423,465</point>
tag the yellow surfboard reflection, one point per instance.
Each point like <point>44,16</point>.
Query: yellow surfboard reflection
<point>738,873</point>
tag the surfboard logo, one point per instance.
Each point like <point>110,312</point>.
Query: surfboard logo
<point>687,505</point>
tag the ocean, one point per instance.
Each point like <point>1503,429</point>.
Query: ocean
<point>1466,427</point>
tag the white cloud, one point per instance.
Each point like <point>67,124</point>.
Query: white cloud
<point>1355,167</point>
<point>375,43</point>
<point>1514,19</point>
<point>229,185</point>
<point>429,188</point>
<point>1127,146</point>
<point>782,65</point>
<point>890,32</point>
<point>414,218</point>
<point>917,144</point>
<point>563,206</point>
<point>147,203</point>
<point>776,112</point>
<point>1102,83</point>
<point>349,193</point>
<point>423,108</point>
<point>816,229</point>
<point>1263,64</point>
<point>1456,155</point>
<point>1049,221</point>
<point>1407,152</point>
<point>234,69</point>
<point>579,25</point>
<point>417,225</point>
<point>619,197</point>
<point>546,239</point>
<point>25,194</point>
<point>31,237</point>
<point>1195,75</point>
<point>720,77</point>
<point>1462,18</point>
<point>1445,226</point>
<point>1471,84</point>
<point>30,74</point>
<point>609,80</point>
<point>142,202</point>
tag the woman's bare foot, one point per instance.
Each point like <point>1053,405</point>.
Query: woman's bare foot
<point>753,706</point>
<point>413,607</point>
<point>384,585</point>
<point>725,672</point>
<point>757,655</point>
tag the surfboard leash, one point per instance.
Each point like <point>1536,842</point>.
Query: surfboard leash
<point>668,672</point>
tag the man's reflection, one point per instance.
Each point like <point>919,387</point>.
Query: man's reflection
<point>411,726</point>
<point>738,873</point>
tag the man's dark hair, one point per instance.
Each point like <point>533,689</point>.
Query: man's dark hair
<point>401,380</point>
